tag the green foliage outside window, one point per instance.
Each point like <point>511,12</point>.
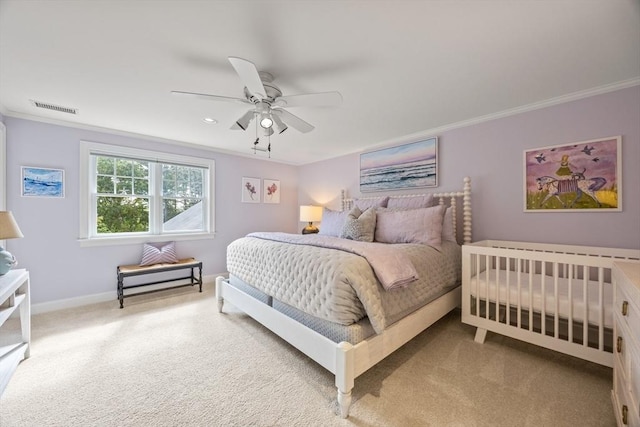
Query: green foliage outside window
<point>123,187</point>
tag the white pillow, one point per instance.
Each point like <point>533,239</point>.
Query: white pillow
<point>332,222</point>
<point>422,226</point>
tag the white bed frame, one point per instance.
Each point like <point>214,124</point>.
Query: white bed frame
<point>344,360</point>
<point>566,302</point>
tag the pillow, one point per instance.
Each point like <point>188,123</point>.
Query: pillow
<point>332,222</point>
<point>448,234</point>
<point>422,226</point>
<point>158,253</point>
<point>416,202</point>
<point>360,225</point>
<point>376,202</point>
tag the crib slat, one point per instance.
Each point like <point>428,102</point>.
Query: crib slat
<point>556,311</point>
<point>601,304</point>
<point>543,287</point>
<point>570,301</point>
<point>477,280</point>
<point>585,301</point>
<point>508,291</point>
<point>519,276</point>
<point>486,287</point>
<point>531,269</point>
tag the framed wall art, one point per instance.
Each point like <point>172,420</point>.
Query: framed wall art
<point>250,190</point>
<point>396,168</point>
<point>577,177</point>
<point>271,192</point>
<point>42,182</point>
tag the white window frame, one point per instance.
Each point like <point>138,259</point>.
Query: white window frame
<point>88,185</point>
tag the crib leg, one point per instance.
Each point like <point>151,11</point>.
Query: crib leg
<point>481,334</point>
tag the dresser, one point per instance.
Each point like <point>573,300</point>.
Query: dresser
<point>626,365</point>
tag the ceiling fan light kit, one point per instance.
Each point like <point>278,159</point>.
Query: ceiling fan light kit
<point>268,102</point>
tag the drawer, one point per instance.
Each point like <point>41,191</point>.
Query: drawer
<point>633,350</point>
<point>624,409</point>
<point>621,354</point>
<point>627,303</point>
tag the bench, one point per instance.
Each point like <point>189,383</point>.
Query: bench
<point>125,271</point>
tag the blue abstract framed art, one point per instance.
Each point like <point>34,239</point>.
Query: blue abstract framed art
<point>404,166</point>
<point>42,182</point>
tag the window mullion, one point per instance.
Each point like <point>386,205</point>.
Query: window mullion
<point>155,198</point>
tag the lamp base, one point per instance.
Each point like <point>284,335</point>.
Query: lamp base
<point>310,229</point>
<point>7,261</point>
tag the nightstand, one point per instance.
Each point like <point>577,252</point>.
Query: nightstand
<point>14,294</point>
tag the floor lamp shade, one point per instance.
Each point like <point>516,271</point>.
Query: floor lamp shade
<point>8,230</point>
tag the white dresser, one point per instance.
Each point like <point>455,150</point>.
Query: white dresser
<point>626,366</point>
<point>14,295</point>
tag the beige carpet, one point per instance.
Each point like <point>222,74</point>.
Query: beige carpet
<point>170,359</point>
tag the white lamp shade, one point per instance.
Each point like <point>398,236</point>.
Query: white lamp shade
<point>8,226</point>
<point>310,213</point>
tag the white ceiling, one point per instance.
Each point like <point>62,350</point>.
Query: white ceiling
<point>404,68</point>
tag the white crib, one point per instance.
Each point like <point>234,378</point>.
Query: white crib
<point>555,296</point>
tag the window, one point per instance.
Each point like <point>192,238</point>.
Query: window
<point>137,195</point>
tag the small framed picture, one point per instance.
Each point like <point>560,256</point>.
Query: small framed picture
<point>42,182</point>
<point>271,191</point>
<point>250,190</point>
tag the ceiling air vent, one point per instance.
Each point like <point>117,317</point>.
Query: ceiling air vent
<point>54,107</point>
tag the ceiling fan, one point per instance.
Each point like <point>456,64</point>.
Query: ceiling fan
<point>268,103</point>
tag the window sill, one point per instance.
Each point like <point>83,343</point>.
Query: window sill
<point>135,240</point>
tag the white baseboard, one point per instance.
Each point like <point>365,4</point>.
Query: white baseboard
<point>61,304</point>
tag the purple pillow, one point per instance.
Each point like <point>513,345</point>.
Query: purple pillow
<point>332,222</point>
<point>375,202</point>
<point>159,253</point>
<point>411,202</point>
<point>422,226</point>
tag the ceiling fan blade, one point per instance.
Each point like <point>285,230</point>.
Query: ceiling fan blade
<point>243,122</point>
<point>294,121</point>
<point>322,99</point>
<point>208,97</point>
<point>249,75</point>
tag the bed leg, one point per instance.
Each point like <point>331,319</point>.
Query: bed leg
<point>344,401</point>
<point>345,376</point>
<point>481,334</point>
<point>219,281</point>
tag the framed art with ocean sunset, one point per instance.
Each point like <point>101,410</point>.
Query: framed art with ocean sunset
<point>404,166</point>
<point>577,177</point>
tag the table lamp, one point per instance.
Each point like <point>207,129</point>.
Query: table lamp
<point>310,214</point>
<point>8,230</point>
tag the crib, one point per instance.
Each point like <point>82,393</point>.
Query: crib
<point>555,296</point>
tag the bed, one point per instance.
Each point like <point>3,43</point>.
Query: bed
<point>555,296</point>
<point>348,336</point>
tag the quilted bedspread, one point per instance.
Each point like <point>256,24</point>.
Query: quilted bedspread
<point>340,286</point>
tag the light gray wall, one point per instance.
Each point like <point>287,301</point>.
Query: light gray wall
<point>60,269</point>
<point>491,153</point>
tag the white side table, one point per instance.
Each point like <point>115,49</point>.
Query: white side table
<point>14,294</point>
